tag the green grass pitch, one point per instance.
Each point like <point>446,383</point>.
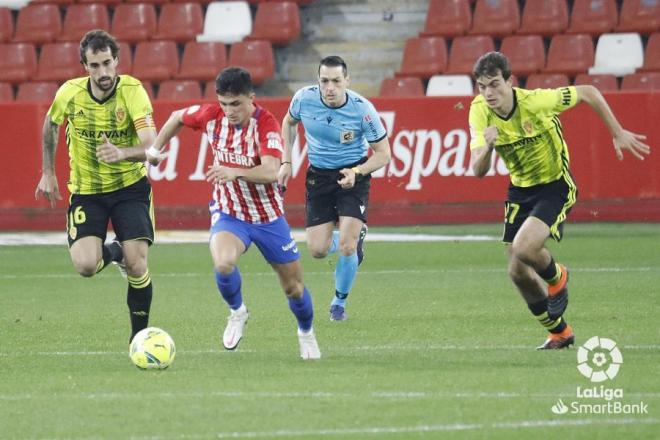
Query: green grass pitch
<point>438,345</point>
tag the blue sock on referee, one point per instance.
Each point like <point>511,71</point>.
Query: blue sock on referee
<point>230,288</point>
<point>303,310</point>
<point>345,272</point>
<point>335,243</point>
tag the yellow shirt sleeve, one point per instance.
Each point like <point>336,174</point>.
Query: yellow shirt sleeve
<point>138,103</point>
<point>478,123</point>
<point>57,108</point>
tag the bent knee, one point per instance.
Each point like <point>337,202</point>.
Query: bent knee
<point>347,249</point>
<point>224,267</point>
<point>317,251</point>
<point>85,270</point>
<point>294,290</point>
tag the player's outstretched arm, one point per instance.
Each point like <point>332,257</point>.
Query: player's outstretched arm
<point>47,186</point>
<point>622,139</point>
<point>167,132</point>
<point>289,132</point>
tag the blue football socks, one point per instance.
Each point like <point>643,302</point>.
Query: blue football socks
<point>345,272</point>
<point>303,310</point>
<point>230,288</point>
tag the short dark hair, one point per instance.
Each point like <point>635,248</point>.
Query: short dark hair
<point>489,63</point>
<point>98,40</point>
<point>334,61</point>
<point>234,81</point>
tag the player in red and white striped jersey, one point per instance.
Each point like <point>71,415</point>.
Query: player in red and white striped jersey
<point>247,205</point>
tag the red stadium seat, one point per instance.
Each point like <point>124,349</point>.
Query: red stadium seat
<point>155,2</point>
<point>81,18</point>
<point>397,87</point>
<point>179,22</point>
<point>641,16</point>
<point>6,92</point>
<point>155,60</point>
<point>604,83</point>
<point>201,2</point>
<point>593,17</point>
<point>133,22</point>
<point>55,2</point>
<point>547,81</point>
<point>202,61</point>
<point>125,66</point>
<point>40,23</point>
<point>209,91</point>
<point>496,18</point>
<point>18,62</point>
<point>466,50</point>
<point>652,54</point>
<point>645,81</point>
<point>570,54</point>
<point>448,18</point>
<point>277,22</point>
<point>6,25</point>
<point>36,92</point>
<point>179,91</point>
<point>424,57</point>
<point>254,56</point>
<point>110,3</point>
<point>59,62</point>
<point>525,52</point>
<point>545,18</point>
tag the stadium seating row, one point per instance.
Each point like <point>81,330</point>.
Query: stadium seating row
<point>499,18</point>
<point>438,85</point>
<point>155,2</point>
<point>153,61</point>
<point>461,85</point>
<point>228,22</point>
<point>568,54</point>
<point>172,90</point>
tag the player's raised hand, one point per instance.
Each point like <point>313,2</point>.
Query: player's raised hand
<point>220,174</point>
<point>153,159</point>
<point>348,179</point>
<point>490,134</point>
<point>284,174</point>
<point>627,140</point>
<point>48,189</point>
<point>108,152</point>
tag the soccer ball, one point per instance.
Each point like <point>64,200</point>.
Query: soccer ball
<point>152,348</point>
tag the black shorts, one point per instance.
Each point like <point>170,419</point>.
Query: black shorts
<point>326,201</point>
<point>549,202</point>
<point>130,209</point>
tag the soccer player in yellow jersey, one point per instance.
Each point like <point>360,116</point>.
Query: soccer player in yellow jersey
<point>109,125</point>
<point>523,127</point>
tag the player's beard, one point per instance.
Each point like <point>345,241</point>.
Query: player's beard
<point>106,83</point>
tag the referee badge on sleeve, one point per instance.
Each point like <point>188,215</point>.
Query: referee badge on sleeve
<point>346,136</point>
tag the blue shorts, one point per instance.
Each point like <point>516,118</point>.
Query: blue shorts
<point>273,239</point>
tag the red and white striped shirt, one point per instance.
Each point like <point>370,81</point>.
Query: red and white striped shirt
<point>241,147</point>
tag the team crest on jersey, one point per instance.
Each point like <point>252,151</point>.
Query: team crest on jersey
<point>528,127</point>
<point>347,136</point>
<point>120,114</point>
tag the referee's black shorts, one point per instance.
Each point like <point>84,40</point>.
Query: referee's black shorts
<point>326,200</point>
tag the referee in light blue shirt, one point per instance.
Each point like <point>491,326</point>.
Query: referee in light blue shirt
<point>339,125</point>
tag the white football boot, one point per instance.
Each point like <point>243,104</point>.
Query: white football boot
<point>235,327</point>
<point>309,349</point>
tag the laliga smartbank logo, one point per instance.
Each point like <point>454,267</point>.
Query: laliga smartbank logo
<point>599,360</point>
